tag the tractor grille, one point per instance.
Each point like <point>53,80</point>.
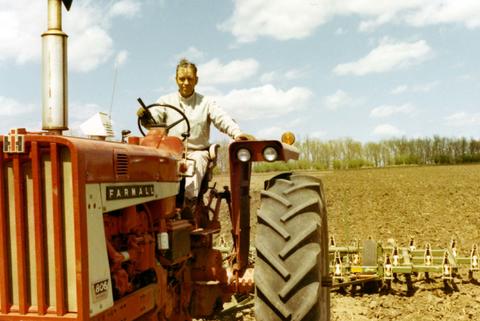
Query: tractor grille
<point>37,245</point>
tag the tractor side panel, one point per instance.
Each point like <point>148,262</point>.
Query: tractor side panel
<point>100,283</point>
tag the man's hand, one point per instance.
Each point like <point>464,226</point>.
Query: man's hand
<point>140,112</point>
<point>146,121</point>
<point>244,136</point>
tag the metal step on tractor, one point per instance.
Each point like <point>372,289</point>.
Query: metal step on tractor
<point>99,230</point>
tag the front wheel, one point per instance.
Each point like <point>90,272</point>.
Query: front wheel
<point>292,251</point>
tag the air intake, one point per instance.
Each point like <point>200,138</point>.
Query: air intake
<point>121,165</point>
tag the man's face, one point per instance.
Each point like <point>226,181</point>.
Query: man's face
<point>186,81</point>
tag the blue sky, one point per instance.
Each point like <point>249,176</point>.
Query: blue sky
<point>365,69</point>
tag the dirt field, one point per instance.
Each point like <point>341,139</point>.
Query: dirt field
<point>432,204</point>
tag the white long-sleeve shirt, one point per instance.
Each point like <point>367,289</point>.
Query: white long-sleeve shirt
<point>201,111</point>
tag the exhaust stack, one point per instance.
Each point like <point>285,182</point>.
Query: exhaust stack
<point>54,71</point>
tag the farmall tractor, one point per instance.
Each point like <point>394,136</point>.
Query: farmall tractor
<point>98,230</point>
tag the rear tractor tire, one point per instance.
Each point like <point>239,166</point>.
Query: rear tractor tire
<point>292,268</point>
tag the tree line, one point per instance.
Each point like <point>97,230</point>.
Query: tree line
<point>347,153</point>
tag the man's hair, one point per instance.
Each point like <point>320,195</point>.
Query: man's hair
<point>184,63</point>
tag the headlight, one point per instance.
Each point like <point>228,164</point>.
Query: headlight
<point>270,154</point>
<point>243,155</point>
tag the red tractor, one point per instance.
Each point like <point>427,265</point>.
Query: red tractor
<point>97,230</point>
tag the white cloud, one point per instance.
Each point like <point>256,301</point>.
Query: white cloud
<point>280,19</point>
<point>264,102</point>
<point>11,108</point>
<point>87,24</point>
<point>286,19</point>
<point>127,8</point>
<point>465,12</point>
<point>420,88</point>
<point>424,88</point>
<point>192,54</point>
<point>387,130</point>
<point>214,72</point>
<point>91,48</point>
<point>295,73</point>
<point>206,90</point>
<point>268,77</point>
<point>462,119</point>
<point>274,132</point>
<point>389,55</point>
<point>297,122</point>
<point>376,7</point>
<point>15,114</point>
<point>22,25</point>
<point>337,100</point>
<point>372,24</point>
<point>317,134</point>
<point>377,12</point>
<point>387,111</point>
<point>277,76</point>
<point>399,89</point>
<point>467,77</point>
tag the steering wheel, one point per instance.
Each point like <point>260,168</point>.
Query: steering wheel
<point>147,114</point>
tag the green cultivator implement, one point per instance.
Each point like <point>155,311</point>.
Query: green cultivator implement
<point>373,265</point>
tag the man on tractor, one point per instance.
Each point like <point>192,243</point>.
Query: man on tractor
<point>201,111</point>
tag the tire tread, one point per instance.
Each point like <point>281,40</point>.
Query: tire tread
<point>291,252</point>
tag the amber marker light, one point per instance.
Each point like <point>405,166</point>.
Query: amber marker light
<point>288,138</point>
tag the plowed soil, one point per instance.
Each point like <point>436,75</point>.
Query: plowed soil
<point>431,204</point>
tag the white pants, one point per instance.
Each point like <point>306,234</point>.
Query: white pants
<point>192,184</point>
